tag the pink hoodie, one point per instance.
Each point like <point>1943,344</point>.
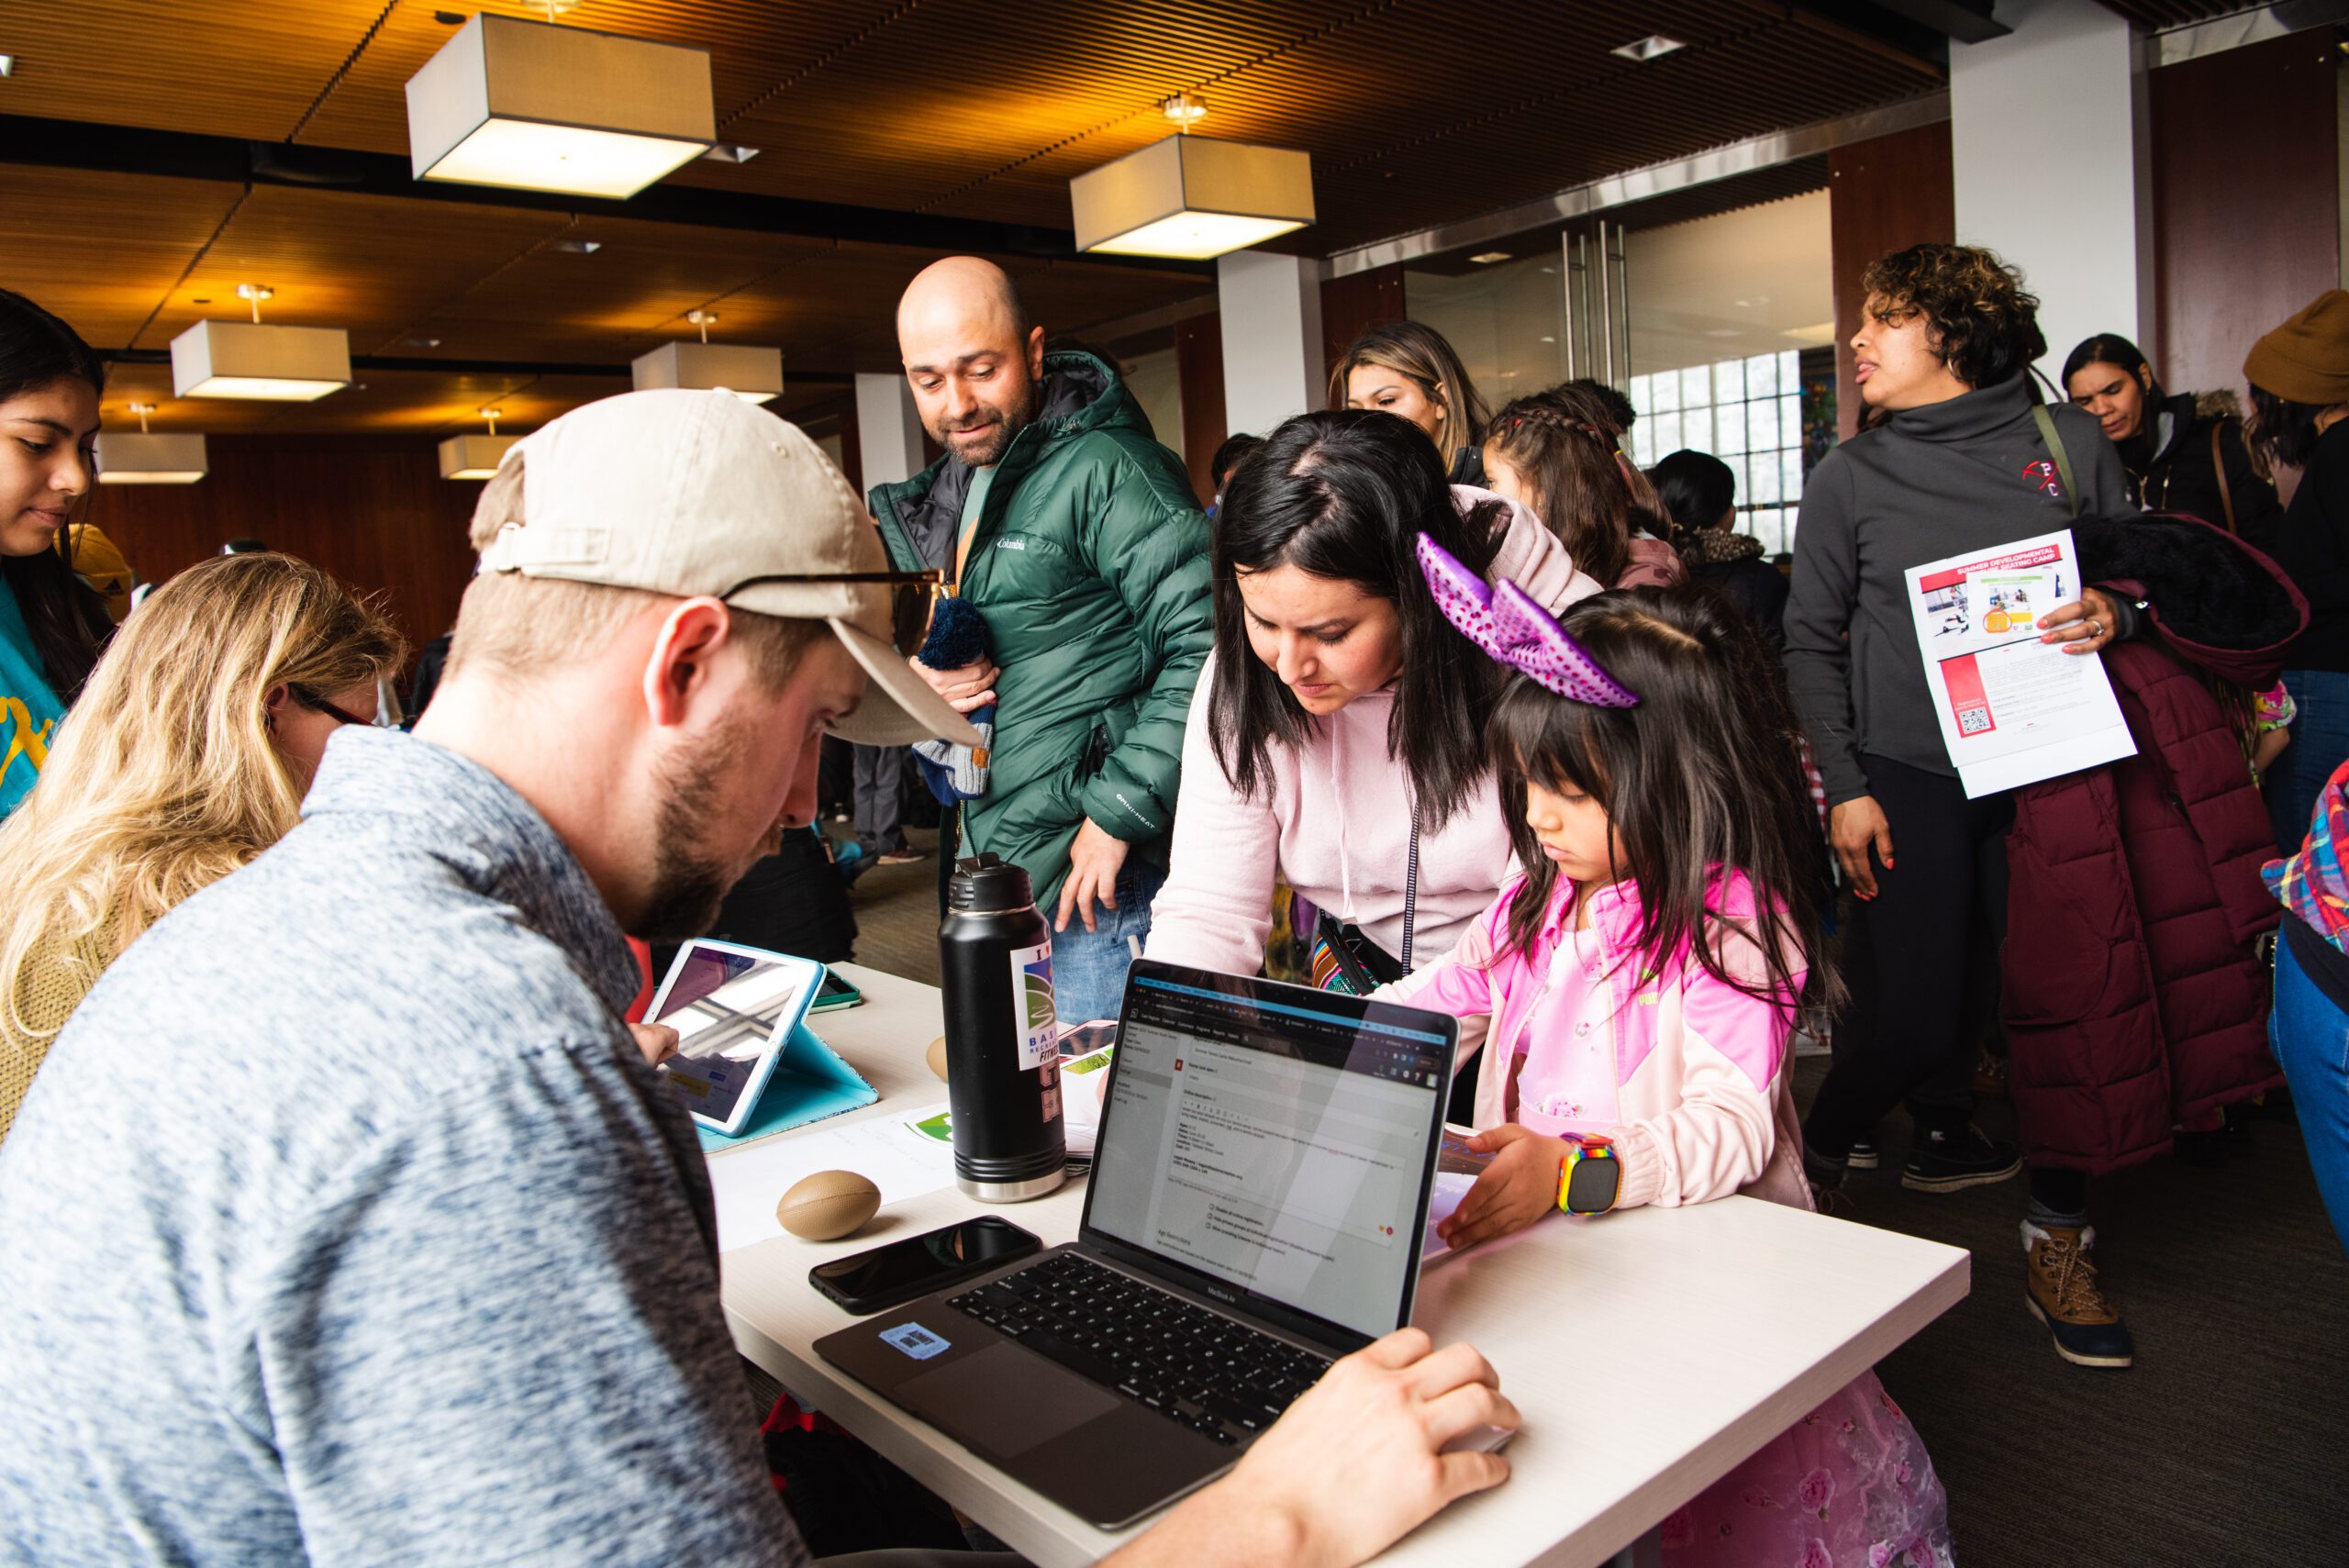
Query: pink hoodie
<point>1686,1073</point>
<point>1337,824</point>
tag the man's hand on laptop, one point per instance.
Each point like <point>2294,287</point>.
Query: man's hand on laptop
<point>1354,1465</point>
<point>966,688</point>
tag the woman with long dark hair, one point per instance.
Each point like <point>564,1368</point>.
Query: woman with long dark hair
<point>2299,418</point>
<point>51,624</point>
<point>2183,452</point>
<point>1338,737</point>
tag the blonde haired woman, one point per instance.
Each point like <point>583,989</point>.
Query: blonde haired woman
<point>1410,369</point>
<point>187,754</point>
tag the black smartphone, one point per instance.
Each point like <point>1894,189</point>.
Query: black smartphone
<point>905,1270</point>
<point>835,993</point>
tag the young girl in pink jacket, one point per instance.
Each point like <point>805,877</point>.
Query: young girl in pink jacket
<point>1640,981</point>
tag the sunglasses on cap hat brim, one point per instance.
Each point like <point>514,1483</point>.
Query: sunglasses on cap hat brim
<point>911,594</point>
<point>899,706</point>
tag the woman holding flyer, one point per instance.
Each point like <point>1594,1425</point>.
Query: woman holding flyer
<point>1955,459</point>
<point>2129,878</point>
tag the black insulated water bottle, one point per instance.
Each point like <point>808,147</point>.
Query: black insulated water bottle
<point>1003,1064</point>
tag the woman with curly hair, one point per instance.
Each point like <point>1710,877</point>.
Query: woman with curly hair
<point>1957,457</point>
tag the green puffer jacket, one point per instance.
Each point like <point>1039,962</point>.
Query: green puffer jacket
<point>1090,566</point>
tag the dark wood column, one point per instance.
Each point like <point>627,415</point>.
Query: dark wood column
<point>2246,201</point>
<point>1198,368</point>
<point>1882,194</point>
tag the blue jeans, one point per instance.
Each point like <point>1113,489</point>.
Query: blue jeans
<point>1089,967</point>
<point>2310,1037</point>
<point>2319,744</point>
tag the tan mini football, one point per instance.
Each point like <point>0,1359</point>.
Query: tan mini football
<point>938,1057</point>
<point>827,1205</point>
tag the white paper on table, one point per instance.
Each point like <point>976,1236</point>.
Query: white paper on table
<point>2012,710</point>
<point>886,1150</point>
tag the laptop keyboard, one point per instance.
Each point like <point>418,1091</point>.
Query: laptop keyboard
<point>1199,1368</point>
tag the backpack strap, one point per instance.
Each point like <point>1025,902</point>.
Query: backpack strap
<point>2046,423</point>
<point>2219,467</point>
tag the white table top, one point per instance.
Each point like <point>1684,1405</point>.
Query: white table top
<point>1649,1351</point>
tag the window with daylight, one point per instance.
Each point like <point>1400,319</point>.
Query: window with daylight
<point>1748,413</point>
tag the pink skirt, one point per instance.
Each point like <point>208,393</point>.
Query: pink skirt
<point>1847,1486</point>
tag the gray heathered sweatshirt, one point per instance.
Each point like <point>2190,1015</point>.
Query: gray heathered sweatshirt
<point>345,1225</point>
<point>1927,483</point>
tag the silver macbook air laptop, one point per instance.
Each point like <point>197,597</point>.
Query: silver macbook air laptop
<point>1260,1182</point>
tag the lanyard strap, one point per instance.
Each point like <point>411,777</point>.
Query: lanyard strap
<point>1411,888</point>
<point>2046,423</point>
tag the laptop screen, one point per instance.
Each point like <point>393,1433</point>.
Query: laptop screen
<point>1273,1145</point>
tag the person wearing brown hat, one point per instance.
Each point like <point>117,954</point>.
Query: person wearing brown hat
<point>2299,401</point>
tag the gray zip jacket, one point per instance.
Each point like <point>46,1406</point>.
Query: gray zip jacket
<point>1932,482</point>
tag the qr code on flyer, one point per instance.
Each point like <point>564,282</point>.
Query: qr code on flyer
<point>1973,720</point>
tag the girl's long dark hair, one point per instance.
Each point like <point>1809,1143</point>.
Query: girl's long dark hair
<point>2281,431</point>
<point>1564,443</point>
<point>1345,496</point>
<point>1703,776</point>
<point>66,618</point>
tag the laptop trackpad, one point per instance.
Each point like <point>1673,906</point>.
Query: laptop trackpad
<point>995,1402</point>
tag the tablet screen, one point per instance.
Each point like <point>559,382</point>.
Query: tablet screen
<point>724,1005</point>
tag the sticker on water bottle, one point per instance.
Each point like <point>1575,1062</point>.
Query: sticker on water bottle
<point>1031,996</point>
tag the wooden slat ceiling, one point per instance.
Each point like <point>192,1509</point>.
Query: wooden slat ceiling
<point>987,113</point>
<point>1417,112</point>
<point>2154,15</point>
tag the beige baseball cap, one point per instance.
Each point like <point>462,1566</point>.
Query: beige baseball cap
<point>699,493</point>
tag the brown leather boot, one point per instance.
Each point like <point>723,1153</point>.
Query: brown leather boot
<point>2060,1288</point>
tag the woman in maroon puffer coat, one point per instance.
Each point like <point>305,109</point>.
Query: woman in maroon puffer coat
<point>2135,1001</point>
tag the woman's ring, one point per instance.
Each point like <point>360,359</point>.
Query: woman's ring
<point>2096,629</point>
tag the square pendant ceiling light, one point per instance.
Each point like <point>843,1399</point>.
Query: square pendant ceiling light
<point>752,373</point>
<point>135,457</point>
<point>475,456</point>
<point>1192,196</point>
<point>247,358</point>
<point>540,107</point>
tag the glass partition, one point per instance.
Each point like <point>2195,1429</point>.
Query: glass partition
<point>1720,311</point>
<point>1506,321</point>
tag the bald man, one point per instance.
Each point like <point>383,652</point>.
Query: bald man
<point>1077,538</point>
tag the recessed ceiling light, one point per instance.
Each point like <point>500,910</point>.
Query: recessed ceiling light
<point>420,342</point>
<point>1486,257</point>
<point>730,153</point>
<point>579,246</point>
<point>7,65</point>
<point>1653,46</point>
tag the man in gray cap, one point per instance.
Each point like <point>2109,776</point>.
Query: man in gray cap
<point>345,1222</point>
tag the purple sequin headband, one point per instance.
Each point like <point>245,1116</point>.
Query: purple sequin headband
<point>1504,620</point>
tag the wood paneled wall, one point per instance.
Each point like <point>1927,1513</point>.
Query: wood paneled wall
<point>372,510</point>
<point>1352,306</point>
<point>2246,200</point>
<point>1882,194</point>
<point>1198,372</point>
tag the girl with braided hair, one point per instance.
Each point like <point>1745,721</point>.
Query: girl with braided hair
<point>1559,453</point>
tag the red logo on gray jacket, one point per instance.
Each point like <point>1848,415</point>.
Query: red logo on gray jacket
<point>2041,476</point>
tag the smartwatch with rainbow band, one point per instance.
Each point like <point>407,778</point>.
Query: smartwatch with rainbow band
<point>1589,1177</point>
